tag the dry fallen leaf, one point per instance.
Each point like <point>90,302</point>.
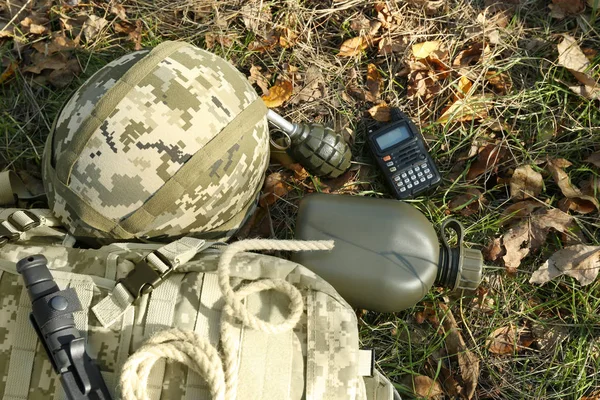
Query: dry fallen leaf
<point>300,173</point>
<point>278,94</point>
<point>424,387</point>
<point>467,204</point>
<point>520,210</point>
<point>472,55</point>
<point>423,50</point>
<point>467,109</point>
<point>92,27</point>
<point>387,45</point>
<point>451,386</point>
<point>133,30</point>
<point>58,43</point>
<point>497,16</point>
<point>119,11</point>
<point>388,19</point>
<point>287,38</point>
<point>548,337</point>
<point>464,87</point>
<point>342,184</point>
<point>437,61</point>
<point>595,395</point>
<point>313,87</point>
<point>562,8</point>
<point>530,234</point>
<point>61,78</point>
<point>360,24</point>
<point>580,261</point>
<point>499,81</point>
<point>591,186</point>
<point>35,23</point>
<point>571,57</point>
<point>423,85</point>
<point>380,112</point>
<point>594,159</point>
<point>578,201</point>
<point>468,362</point>
<point>275,187</point>
<point>502,340</point>
<point>257,226</point>
<point>525,183</point>
<point>42,62</point>
<point>225,40</point>
<point>493,250</point>
<point>429,313</point>
<point>257,77</point>
<point>487,160</point>
<point>374,83</point>
<point>353,47</point>
<point>257,17</point>
<point>8,72</point>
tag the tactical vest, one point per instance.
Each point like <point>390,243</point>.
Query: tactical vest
<point>234,311</point>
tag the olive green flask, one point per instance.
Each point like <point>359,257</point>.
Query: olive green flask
<point>387,255</point>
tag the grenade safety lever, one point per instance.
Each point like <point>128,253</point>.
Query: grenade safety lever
<point>318,148</point>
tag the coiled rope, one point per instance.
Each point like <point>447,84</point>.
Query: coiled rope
<point>195,351</point>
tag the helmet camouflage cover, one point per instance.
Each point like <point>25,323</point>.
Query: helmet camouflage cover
<point>160,143</point>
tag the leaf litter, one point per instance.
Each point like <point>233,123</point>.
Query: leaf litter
<point>575,199</point>
<point>580,261</point>
<point>374,83</point>
<point>423,386</point>
<point>278,94</point>
<point>468,363</point>
<point>467,204</point>
<point>487,160</point>
<point>530,234</point>
<point>572,57</point>
<point>525,183</point>
<point>353,46</point>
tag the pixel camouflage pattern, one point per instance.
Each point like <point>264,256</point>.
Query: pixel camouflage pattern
<point>176,113</point>
<point>321,351</point>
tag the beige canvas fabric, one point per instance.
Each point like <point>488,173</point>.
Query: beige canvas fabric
<point>318,358</point>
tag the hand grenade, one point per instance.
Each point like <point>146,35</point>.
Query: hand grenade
<point>317,148</point>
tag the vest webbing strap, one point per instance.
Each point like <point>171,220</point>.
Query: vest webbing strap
<point>113,306</point>
<point>161,309</point>
<point>22,353</point>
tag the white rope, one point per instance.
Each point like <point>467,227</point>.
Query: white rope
<point>195,351</point>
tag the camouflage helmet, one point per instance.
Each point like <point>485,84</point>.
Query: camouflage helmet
<point>158,144</point>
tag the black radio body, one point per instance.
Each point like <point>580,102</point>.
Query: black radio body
<point>401,154</point>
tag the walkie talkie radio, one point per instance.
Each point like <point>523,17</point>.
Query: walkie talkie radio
<point>401,154</point>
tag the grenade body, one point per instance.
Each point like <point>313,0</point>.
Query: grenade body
<point>320,150</point>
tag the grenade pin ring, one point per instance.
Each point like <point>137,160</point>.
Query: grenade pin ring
<point>286,138</point>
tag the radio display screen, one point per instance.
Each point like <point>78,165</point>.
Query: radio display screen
<point>393,137</point>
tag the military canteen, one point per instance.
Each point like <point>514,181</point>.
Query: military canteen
<point>158,144</point>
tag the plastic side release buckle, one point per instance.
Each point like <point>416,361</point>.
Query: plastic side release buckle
<point>24,220</point>
<point>17,223</point>
<point>7,234</point>
<point>143,278</point>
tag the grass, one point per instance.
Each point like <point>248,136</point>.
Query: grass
<point>542,119</point>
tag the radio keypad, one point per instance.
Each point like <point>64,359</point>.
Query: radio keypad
<point>414,176</point>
